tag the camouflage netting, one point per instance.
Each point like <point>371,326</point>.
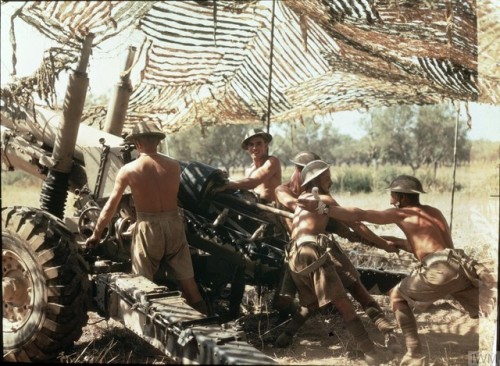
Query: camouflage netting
<point>209,62</point>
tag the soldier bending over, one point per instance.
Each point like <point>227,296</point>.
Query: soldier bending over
<point>313,268</point>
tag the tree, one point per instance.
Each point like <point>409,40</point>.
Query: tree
<point>290,138</point>
<point>312,135</point>
<point>416,135</point>
<point>217,146</point>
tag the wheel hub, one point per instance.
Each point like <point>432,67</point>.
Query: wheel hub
<point>17,286</point>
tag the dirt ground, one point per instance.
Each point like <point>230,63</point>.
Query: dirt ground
<point>447,333</point>
<point>449,336</point>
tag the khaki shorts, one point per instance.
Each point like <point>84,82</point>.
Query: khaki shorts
<point>323,285</point>
<point>347,272</point>
<point>158,238</point>
<point>286,286</point>
<point>440,275</point>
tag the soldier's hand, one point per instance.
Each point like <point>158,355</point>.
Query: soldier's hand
<point>399,243</point>
<point>391,247</point>
<point>310,204</point>
<point>218,189</point>
<point>92,241</point>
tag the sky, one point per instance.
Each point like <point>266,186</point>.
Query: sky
<point>106,63</point>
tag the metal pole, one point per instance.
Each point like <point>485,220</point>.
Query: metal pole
<point>498,276</point>
<point>270,71</point>
<point>457,109</point>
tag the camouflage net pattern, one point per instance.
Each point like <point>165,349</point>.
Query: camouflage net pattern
<point>212,62</point>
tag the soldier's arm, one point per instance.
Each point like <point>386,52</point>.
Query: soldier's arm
<point>285,197</point>
<point>109,208</point>
<point>260,175</point>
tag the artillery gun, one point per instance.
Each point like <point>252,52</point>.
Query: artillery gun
<point>50,280</point>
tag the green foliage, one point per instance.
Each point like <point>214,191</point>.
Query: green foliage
<point>385,174</point>
<point>352,179</point>
<point>318,137</point>
<point>438,184</point>
<point>415,136</point>
<point>217,146</point>
<point>365,179</point>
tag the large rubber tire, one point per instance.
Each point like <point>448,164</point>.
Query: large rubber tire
<point>52,286</point>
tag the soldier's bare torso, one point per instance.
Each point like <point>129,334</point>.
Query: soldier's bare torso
<point>154,181</point>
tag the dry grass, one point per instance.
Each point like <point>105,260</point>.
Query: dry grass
<point>26,192</point>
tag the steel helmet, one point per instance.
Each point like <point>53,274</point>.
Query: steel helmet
<point>312,170</point>
<point>256,132</point>
<point>145,129</point>
<point>406,184</point>
<point>304,157</point>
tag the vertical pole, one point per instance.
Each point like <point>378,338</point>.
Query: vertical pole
<point>270,70</point>
<point>118,103</point>
<point>457,109</point>
<point>497,335</point>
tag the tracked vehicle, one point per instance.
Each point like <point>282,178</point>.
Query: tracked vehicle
<point>51,280</point>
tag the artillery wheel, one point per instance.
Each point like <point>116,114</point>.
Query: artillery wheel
<point>45,286</point>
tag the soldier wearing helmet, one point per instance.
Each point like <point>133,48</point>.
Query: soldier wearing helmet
<point>313,268</point>
<point>287,193</point>
<point>444,270</point>
<point>158,236</point>
<point>407,187</point>
<point>287,197</point>
<point>264,175</point>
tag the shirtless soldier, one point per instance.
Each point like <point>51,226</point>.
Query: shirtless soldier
<point>313,268</point>
<point>443,269</point>
<point>287,197</point>
<point>159,233</point>
<point>264,175</point>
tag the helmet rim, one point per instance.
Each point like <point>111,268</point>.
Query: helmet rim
<point>313,170</point>
<point>406,184</point>
<point>304,157</point>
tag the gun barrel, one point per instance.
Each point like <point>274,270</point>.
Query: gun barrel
<point>43,128</point>
<point>225,198</point>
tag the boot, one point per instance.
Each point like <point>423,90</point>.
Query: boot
<point>377,316</point>
<point>373,355</point>
<point>408,326</point>
<point>377,356</point>
<point>298,319</point>
<point>286,311</point>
